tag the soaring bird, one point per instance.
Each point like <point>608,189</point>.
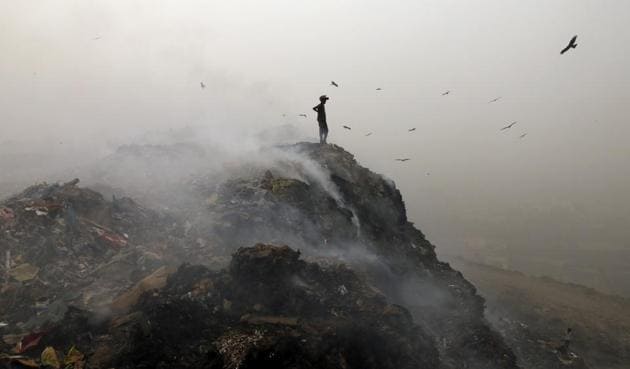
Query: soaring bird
<point>523,135</point>
<point>302,115</point>
<point>202,85</point>
<point>571,45</point>
<point>508,126</point>
<point>446,93</point>
<point>405,159</point>
<point>411,129</point>
<point>493,100</point>
<point>334,83</point>
<point>346,127</point>
<point>378,89</point>
<point>369,134</point>
<point>96,38</point>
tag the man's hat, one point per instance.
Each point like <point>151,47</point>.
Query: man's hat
<point>323,97</point>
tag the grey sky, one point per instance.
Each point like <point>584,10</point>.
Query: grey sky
<point>89,73</point>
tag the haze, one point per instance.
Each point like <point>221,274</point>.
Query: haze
<point>81,77</point>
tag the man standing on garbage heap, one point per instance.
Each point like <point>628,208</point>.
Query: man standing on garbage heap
<point>321,119</point>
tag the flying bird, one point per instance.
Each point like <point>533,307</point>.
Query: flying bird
<point>346,127</point>
<point>369,134</point>
<point>96,38</point>
<point>378,89</point>
<point>405,159</point>
<point>571,45</point>
<point>411,129</point>
<point>446,93</point>
<point>508,126</point>
<point>523,135</point>
<point>334,83</point>
<point>202,85</point>
<point>302,115</point>
<point>494,100</point>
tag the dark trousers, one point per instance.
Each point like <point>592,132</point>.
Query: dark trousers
<point>323,132</point>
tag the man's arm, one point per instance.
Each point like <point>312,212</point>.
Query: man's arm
<point>316,108</point>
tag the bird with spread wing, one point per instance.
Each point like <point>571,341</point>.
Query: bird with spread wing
<point>571,45</point>
<point>508,126</point>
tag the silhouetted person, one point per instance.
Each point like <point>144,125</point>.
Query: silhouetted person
<point>564,349</point>
<point>321,119</point>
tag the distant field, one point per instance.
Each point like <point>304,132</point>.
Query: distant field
<point>532,310</point>
<point>606,270</point>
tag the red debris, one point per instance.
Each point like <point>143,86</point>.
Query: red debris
<point>6,214</point>
<point>28,341</point>
<point>114,239</point>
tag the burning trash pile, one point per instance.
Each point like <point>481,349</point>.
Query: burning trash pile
<point>268,309</point>
<point>89,282</point>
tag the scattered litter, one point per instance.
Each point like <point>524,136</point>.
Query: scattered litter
<point>6,214</point>
<point>74,359</point>
<point>28,341</point>
<point>156,280</point>
<point>24,272</point>
<point>21,361</point>
<point>49,358</point>
<point>112,239</point>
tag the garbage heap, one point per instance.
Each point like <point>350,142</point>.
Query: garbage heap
<point>268,309</point>
<point>88,278</point>
<point>64,245</point>
<point>318,199</point>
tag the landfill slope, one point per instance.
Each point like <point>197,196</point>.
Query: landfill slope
<point>533,313</point>
<point>268,309</point>
<point>320,200</point>
<point>64,245</point>
<point>81,267</point>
